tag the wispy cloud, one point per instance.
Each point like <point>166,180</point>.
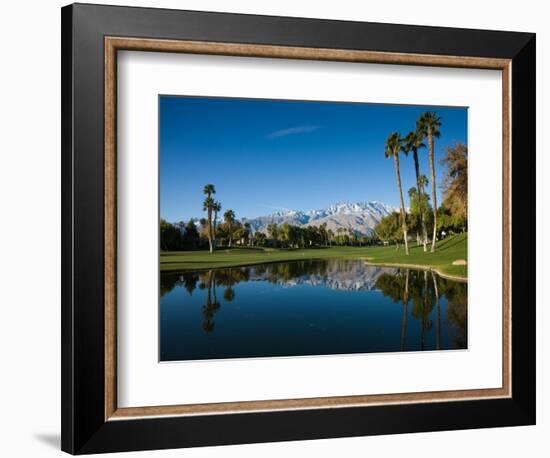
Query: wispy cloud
<point>292,131</point>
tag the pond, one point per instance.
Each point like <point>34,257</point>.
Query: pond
<point>310,307</point>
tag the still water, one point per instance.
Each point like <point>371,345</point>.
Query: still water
<point>311,307</point>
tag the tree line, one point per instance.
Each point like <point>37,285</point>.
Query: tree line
<point>209,232</point>
<point>424,216</point>
<point>291,236</point>
<point>230,232</point>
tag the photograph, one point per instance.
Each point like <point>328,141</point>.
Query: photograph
<point>264,219</point>
<point>301,228</point>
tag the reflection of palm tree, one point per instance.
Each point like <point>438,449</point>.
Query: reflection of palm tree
<point>398,288</point>
<point>190,282</point>
<point>428,304</point>
<point>405,311</point>
<point>437,323</point>
<point>212,306</point>
<point>456,311</point>
<point>425,295</point>
<point>423,305</point>
<point>229,294</point>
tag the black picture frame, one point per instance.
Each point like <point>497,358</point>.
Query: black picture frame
<point>84,428</point>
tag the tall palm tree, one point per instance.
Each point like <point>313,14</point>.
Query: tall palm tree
<point>208,206</point>
<point>428,125</point>
<point>229,218</point>
<point>217,207</point>
<point>394,144</point>
<point>413,142</point>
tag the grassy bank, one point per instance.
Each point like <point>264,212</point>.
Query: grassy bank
<point>196,260</point>
<point>448,250</point>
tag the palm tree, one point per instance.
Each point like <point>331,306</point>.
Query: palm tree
<point>217,207</point>
<point>323,232</point>
<point>247,232</point>
<point>209,189</point>
<point>413,142</point>
<point>330,236</point>
<point>208,206</point>
<point>354,239</point>
<point>229,218</point>
<point>423,182</point>
<point>394,144</point>
<point>428,125</point>
<point>339,231</point>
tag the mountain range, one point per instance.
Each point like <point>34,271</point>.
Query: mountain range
<point>346,276</point>
<point>361,217</point>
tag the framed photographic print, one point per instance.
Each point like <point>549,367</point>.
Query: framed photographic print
<point>282,228</point>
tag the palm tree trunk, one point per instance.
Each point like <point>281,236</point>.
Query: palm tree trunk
<point>424,233</point>
<point>405,312</point>
<point>437,323</point>
<point>432,173</point>
<point>214,286</point>
<point>420,192</point>
<point>209,295</point>
<point>416,169</point>
<point>210,229</point>
<point>403,220</point>
<point>215,228</point>
<point>424,305</point>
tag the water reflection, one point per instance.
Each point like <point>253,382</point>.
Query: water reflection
<point>309,307</point>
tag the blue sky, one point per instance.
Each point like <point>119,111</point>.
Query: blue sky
<point>269,155</point>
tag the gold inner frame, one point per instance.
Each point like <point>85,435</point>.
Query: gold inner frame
<point>114,44</point>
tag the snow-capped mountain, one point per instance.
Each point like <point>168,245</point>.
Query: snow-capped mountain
<point>361,217</point>
<point>341,275</point>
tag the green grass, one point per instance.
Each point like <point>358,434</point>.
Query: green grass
<point>448,250</point>
<point>197,260</point>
